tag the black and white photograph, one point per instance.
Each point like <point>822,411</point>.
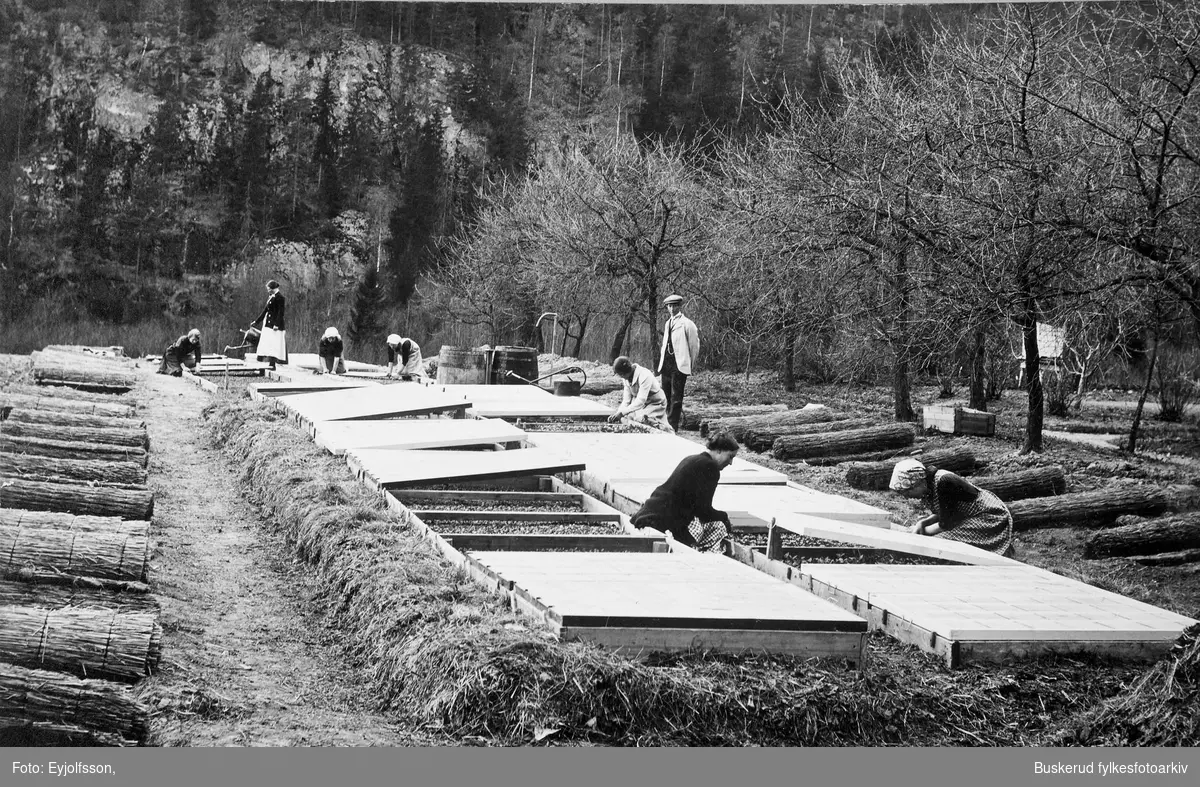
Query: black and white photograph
<point>431,375</point>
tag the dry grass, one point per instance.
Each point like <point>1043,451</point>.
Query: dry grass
<point>1161,709</point>
<point>449,657</point>
<point>39,702</point>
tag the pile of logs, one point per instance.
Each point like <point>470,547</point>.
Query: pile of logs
<point>1033,482</point>
<point>77,622</point>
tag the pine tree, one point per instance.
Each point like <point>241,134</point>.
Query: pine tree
<point>325,149</point>
<point>415,221</point>
<point>366,315</point>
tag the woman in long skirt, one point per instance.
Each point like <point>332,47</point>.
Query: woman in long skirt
<point>175,357</point>
<point>272,344</point>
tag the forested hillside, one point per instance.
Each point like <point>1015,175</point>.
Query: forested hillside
<point>843,192</point>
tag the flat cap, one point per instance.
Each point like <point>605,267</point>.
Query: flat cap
<point>673,299</point>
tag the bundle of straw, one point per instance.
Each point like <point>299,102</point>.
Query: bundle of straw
<point>55,520</point>
<point>55,701</point>
<point>128,474</point>
<point>108,555</point>
<point>133,437</point>
<point>101,643</point>
<point>76,499</point>
<point>61,418</point>
<point>9,400</point>
<point>70,394</point>
<point>24,594</point>
<point>66,449</point>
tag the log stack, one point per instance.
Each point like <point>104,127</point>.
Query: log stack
<point>739,426</point>
<point>131,437</point>
<point>1088,508</point>
<point>694,417</point>
<point>877,475</point>
<point>848,443</point>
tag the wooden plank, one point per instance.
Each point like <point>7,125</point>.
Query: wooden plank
<point>580,517</point>
<point>493,542</point>
<point>308,384</point>
<point>643,458</point>
<point>1002,603</point>
<point>439,498</point>
<point>634,641</point>
<point>369,402</point>
<point>397,468</point>
<point>338,436</point>
<point>895,540</point>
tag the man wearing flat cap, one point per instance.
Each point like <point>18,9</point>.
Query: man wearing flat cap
<point>680,348</point>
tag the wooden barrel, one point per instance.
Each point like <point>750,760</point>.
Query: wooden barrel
<point>462,366</point>
<point>521,361</point>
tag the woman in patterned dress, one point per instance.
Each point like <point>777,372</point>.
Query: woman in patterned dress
<point>960,510</point>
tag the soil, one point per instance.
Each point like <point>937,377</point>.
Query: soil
<point>249,657</point>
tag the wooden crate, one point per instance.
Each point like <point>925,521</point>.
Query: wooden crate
<point>960,420</point>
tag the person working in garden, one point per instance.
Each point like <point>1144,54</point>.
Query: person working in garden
<point>643,399</point>
<point>960,510</point>
<point>329,353</point>
<point>272,343</point>
<point>680,348</point>
<point>184,352</point>
<point>404,357</point>
<point>682,505</point>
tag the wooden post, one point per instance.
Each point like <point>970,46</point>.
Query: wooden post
<point>774,541</point>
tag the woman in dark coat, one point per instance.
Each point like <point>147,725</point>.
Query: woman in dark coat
<point>682,505</point>
<point>329,353</point>
<point>960,511</point>
<point>175,356</point>
<point>272,344</point>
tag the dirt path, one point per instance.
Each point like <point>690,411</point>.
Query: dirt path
<point>248,656</point>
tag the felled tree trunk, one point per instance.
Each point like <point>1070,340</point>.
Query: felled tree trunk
<point>64,449</point>
<point>764,439</point>
<point>1087,508</point>
<point>52,372</point>
<point>1166,534</point>
<point>877,438</point>
<point>877,475</point>
<point>43,468</point>
<point>60,418</point>
<point>76,499</point>
<point>137,438</point>
<point>738,427</point>
<point>1034,482</point>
